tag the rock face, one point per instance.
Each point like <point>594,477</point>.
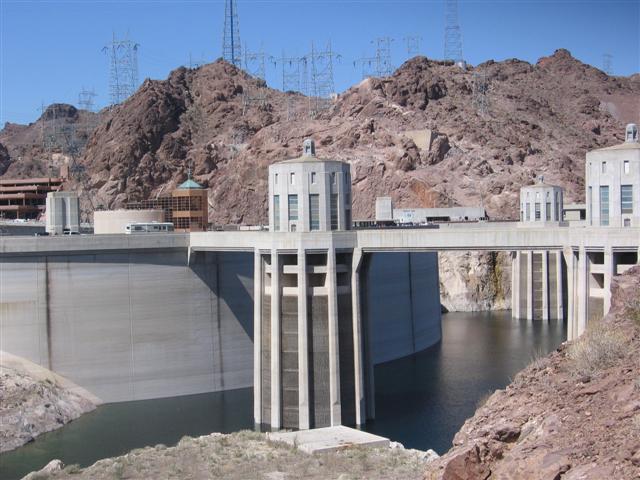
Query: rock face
<point>34,400</point>
<point>541,120</point>
<point>572,415</point>
<point>474,281</point>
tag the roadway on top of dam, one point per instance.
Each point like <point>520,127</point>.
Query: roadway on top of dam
<point>463,237</point>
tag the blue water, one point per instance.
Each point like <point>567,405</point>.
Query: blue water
<point>421,401</point>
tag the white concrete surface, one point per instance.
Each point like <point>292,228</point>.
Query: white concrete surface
<point>328,439</point>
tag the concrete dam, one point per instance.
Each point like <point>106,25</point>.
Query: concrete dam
<point>134,324</point>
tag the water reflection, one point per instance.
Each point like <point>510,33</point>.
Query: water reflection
<point>421,401</point>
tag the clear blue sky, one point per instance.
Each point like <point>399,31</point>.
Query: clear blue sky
<point>50,49</point>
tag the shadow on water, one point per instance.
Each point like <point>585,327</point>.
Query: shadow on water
<point>423,400</point>
<point>116,428</point>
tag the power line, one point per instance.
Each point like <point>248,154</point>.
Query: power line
<point>412,43</point>
<point>123,74</point>
<point>231,51</point>
<point>480,92</point>
<point>85,99</point>
<point>384,68</point>
<point>322,84</point>
<point>452,33</point>
<point>607,63</point>
<point>254,65</point>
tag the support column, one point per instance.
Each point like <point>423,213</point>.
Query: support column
<point>559,290</point>
<point>530,285</point>
<point>571,276</point>
<point>276,295</point>
<point>257,336</point>
<point>582,293</point>
<point>303,343</point>
<point>545,285</point>
<point>515,284</point>
<point>334,360</point>
<point>609,272</point>
<point>358,367</point>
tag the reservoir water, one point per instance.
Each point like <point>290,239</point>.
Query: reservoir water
<point>421,401</point>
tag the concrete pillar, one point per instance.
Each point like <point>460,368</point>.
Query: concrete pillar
<point>530,285</point>
<point>303,343</point>
<point>358,367</point>
<point>609,272</point>
<point>515,284</point>
<point>545,285</point>
<point>257,336</point>
<point>276,294</point>
<point>571,276</point>
<point>582,293</point>
<point>334,350</point>
<point>559,291</point>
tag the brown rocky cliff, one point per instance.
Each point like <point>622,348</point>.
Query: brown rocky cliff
<point>572,415</point>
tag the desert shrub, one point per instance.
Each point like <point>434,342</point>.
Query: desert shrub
<point>598,349</point>
<point>632,311</point>
<point>72,469</point>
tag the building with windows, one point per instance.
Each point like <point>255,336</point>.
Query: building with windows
<point>541,203</point>
<point>612,182</point>
<point>25,198</point>
<point>309,194</point>
<point>187,207</point>
<point>63,213</point>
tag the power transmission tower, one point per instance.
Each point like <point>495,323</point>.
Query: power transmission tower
<point>254,65</point>
<point>383,56</point>
<point>480,92</point>
<point>607,63</point>
<point>290,79</point>
<point>123,76</point>
<point>231,51</point>
<point>413,45</point>
<point>452,33</point>
<point>322,85</point>
<point>85,99</point>
<point>367,66</point>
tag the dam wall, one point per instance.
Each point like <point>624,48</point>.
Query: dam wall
<point>138,323</point>
<point>133,325</point>
<point>401,303</point>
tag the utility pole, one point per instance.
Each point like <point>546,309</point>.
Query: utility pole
<point>123,74</point>
<point>413,45</point>
<point>322,85</point>
<point>452,33</point>
<point>231,51</point>
<point>607,63</point>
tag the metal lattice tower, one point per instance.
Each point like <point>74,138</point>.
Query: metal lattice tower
<point>384,68</point>
<point>254,65</point>
<point>291,81</point>
<point>322,85</point>
<point>231,50</point>
<point>367,66</point>
<point>481,92</point>
<point>607,63</point>
<point>123,75</point>
<point>85,99</point>
<point>452,32</point>
<point>413,45</point>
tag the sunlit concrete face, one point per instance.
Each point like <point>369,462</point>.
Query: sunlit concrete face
<point>309,194</point>
<point>541,203</point>
<point>612,183</point>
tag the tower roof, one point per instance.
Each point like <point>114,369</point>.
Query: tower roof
<point>190,185</point>
<point>309,154</point>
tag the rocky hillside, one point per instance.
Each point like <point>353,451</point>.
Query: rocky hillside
<point>574,415</point>
<point>34,400</point>
<point>540,120</point>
